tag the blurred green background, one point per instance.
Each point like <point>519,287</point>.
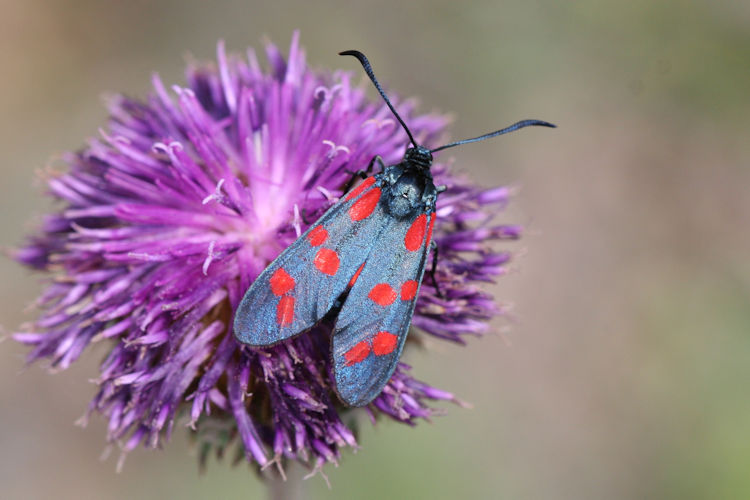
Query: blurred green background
<point>626,373</point>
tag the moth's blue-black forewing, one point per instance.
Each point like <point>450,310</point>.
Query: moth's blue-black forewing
<point>374,321</point>
<point>298,288</point>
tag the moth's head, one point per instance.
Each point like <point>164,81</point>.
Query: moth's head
<point>419,156</point>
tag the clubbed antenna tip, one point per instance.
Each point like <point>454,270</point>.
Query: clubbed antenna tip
<point>368,69</point>
<point>515,126</point>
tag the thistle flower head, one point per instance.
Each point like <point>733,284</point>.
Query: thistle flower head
<point>185,197</point>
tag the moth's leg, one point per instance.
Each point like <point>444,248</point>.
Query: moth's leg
<point>303,215</point>
<point>434,268</point>
<point>363,174</point>
<point>376,159</point>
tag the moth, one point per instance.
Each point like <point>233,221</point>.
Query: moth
<point>363,261</point>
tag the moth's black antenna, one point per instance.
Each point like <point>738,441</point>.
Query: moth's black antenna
<point>515,126</point>
<point>368,69</point>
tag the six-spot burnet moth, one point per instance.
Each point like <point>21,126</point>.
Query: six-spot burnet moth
<point>363,260</point>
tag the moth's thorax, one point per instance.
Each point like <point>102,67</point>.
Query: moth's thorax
<point>408,189</point>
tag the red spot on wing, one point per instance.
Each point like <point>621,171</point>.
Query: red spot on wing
<point>281,282</point>
<point>384,343</point>
<point>383,294</point>
<point>356,275</point>
<point>285,310</point>
<point>409,290</point>
<point>357,190</point>
<point>357,354</point>
<point>327,261</point>
<point>363,207</point>
<point>317,236</point>
<point>415,234</point>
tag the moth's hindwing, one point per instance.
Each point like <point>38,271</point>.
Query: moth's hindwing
<point>373,323</point>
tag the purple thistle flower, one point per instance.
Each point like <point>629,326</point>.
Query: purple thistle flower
<point>169,216</point>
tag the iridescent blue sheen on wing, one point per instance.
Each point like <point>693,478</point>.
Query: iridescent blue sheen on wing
<point>298,288</point>
<point>374,321</point>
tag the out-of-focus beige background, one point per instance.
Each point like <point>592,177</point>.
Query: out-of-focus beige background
<point>626,374</point>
